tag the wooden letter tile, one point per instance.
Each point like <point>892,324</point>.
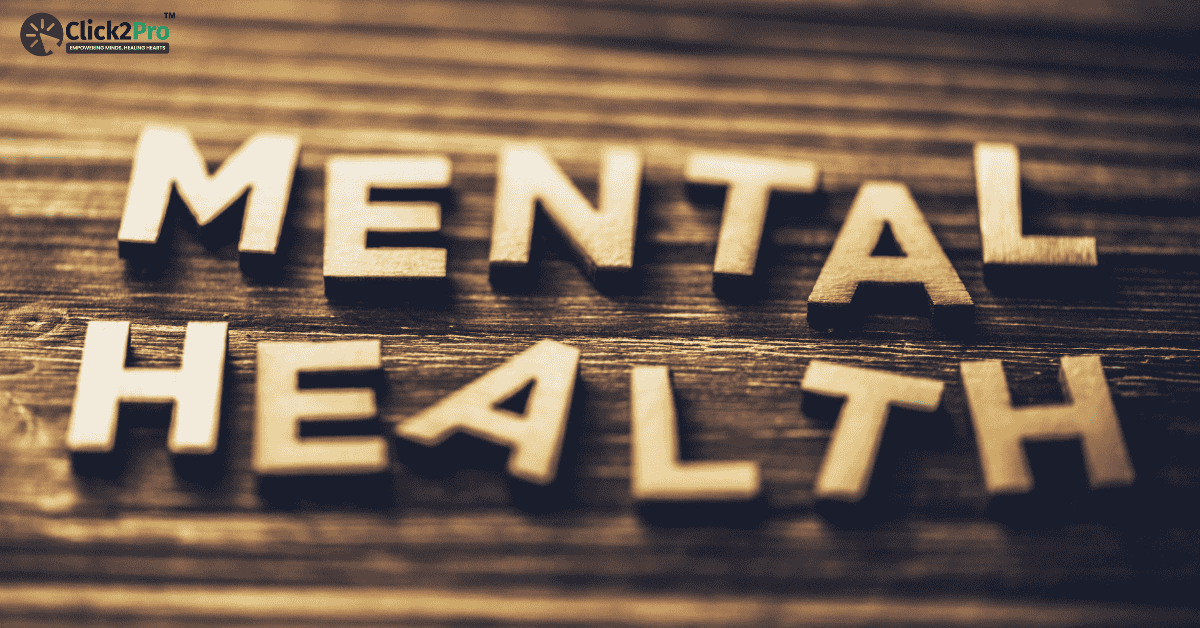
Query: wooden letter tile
<point>349,216</point>
<point>750,182</point>
<point>603,238</point>
<point>851,263</point>
<point>280,405</point>
<point>869,395</point>
<point>657,473</point>
<point>1088,415</point>
<point>535,438</point>
<point>998,182</point>
<point>104,382</point>
<point>167,155</point>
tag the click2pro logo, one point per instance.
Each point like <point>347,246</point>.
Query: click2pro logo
<point>42,32</point>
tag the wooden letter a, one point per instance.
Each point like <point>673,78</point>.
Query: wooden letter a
<point>881,205</point>
<point>534,438</point>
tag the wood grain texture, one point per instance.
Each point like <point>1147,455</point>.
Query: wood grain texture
<point>1102,103</point>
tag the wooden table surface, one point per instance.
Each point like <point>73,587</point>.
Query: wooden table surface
<point>1102,101</point>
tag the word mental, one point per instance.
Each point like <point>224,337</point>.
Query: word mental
<point>604,236</point>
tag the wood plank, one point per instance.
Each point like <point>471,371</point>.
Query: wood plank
<point>1101,101</point>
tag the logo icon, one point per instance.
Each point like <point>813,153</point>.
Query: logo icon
<point>40,32</point>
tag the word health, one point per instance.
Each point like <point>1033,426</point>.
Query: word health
<point>547,373</point>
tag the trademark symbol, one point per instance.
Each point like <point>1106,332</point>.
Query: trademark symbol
<point>170,15</point>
